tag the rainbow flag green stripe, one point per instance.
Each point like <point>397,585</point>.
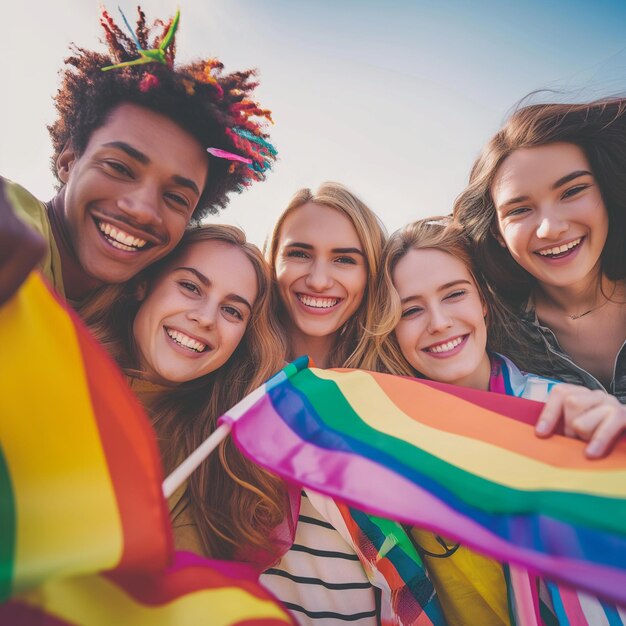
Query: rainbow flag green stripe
<point>416,453</point>
<point>7,524</point>
<point>338,416</point>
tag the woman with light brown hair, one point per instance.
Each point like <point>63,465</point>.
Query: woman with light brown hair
<point>325,253</point>
<point>195,334</point>
<point>438,320</point>
<point>545,208</point>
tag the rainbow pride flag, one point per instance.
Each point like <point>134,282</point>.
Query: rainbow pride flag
<point>80,474</point>
<point>462,463</point>
<point>191,591</point>
<point>80,493</point>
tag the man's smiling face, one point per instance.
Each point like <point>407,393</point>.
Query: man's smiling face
<point>129,196</point>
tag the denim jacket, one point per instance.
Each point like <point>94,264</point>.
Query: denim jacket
<point>565,369</point>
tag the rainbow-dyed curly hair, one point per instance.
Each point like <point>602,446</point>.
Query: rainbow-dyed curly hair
<point>216,108</point>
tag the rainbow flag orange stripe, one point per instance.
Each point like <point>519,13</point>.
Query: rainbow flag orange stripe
<point>192,591</point>
<point>80,473</point>
<point>426,456</point>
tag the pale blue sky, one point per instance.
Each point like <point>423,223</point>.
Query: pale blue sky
<point>394,99</point>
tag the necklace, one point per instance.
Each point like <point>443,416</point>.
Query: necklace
<point>595,308</point>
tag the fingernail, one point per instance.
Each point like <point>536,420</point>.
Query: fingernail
<point>594,448</point>
<point>541,428</point>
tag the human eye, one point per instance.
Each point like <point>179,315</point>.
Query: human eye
<point>118,167</point>
<point>296,253</point>
<point>233,312</point>
<point>346,260</point>
<point>459,293</point>
<point>411,312</point>
<point>573,191</point>
<point>189,286</point>
<point>517,211</point>
<point>179,200</point>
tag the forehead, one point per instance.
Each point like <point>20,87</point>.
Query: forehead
<point>227,267</point>
<point>527,169</point>
<point>319,226</point>
<point>423,272</point>
<point>163,141</point>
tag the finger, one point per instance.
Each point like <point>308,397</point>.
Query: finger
<point>605,437</point>
<point>553,410</point>
<point>586,424</point>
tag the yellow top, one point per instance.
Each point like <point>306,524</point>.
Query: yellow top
<point>186,535</point>
<point>33,213</point>
<point>471,587</point>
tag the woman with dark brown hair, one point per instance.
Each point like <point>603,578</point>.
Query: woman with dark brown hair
<point>546,211</point>
<point>195,334</point>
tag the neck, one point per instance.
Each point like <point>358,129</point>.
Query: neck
<point>480,377</point>
<point>76,281</point>
<point>318,348</point>
<point>576,298</point>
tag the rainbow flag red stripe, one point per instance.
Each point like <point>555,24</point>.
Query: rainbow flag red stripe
<point>425,456</point>
<point>192,591</point>
<point>80,473</point>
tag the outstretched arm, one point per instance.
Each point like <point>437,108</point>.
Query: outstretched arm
<point>21,248</point>
<point>594,416</point>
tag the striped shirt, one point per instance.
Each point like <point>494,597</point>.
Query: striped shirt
<point>320,579</point>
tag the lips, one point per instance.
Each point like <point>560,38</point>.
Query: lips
<point>447,346</point>
<point>119,238</point>
<point>317,302</point>
<point>561,250</point>
<point>187,341</point>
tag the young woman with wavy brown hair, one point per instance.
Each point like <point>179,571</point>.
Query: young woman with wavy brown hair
<point>545,208</point>
<point>195,334</point>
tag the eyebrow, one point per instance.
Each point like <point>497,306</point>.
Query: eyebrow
<point>461,281</point>
<point>207,283</point>
<point>137,155</point>
<point>308,246</point>
<point>559,183</point>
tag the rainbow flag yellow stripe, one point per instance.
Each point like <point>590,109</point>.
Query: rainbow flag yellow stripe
<point>192,591</point>
<point>79,468</point>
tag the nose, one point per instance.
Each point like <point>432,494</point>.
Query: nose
<point>142,206</point>
<point>204,314</point>
<point>551,226</point>
<point>319,277</point>
<point>438,320</point>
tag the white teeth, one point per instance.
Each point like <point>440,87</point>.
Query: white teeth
<point>125,240</point>
<point>185,340</point>
<point>318,303</point>
<point>560,249</point>
<point>445,347</point>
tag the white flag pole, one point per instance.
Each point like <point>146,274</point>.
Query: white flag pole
<point>184,470</point>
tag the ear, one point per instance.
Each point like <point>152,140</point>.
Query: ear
<point>65,161</point>
<point>141,291</point>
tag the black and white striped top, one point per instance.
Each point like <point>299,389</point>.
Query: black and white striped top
<point>320,579</point>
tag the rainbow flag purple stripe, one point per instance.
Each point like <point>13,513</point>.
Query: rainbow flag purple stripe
<point>425,456</point>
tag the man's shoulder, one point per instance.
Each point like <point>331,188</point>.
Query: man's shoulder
<point>27,207</point>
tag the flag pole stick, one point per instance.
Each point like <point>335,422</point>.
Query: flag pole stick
<point>184,470</point>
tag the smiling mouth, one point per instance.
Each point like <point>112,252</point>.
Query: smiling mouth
<point>120,239</point>
<point>186,341</point>
<point>560,251</point>
<point>317,303</point>
<point>442,348</point>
